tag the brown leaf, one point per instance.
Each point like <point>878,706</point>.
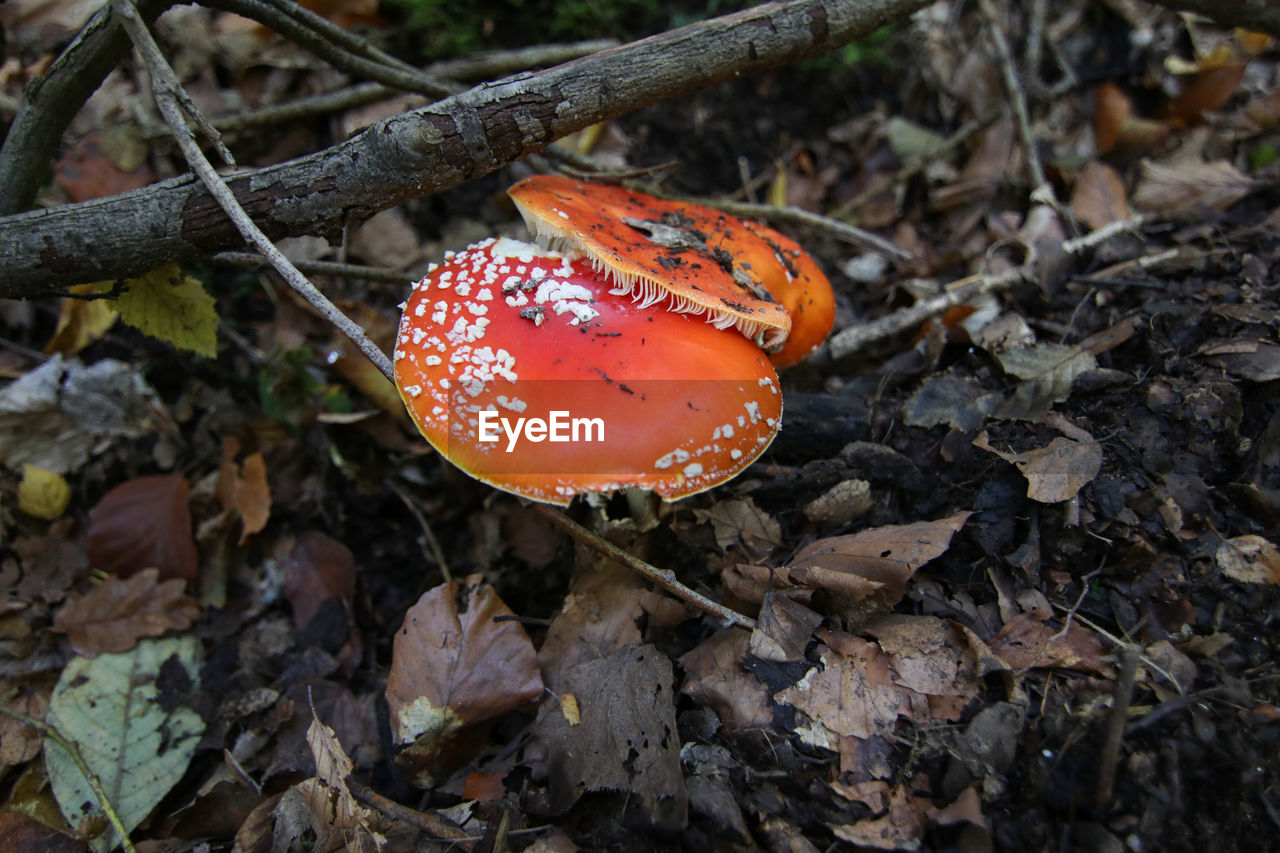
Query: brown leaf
<point>320,568</point>
<point>1116,127</point>
<point>453,665</point>
<point>1250,559</point>
<point>1056,472</point>
<point>741,523</point>
<point>1031,640</point>
<point>244,488</point>
<point>870,568</point>
<point>339,821</point>
<point>853,694</point>
<point>1185,189</point>
<point>115,614</point>
<point>86,172</point>
<point>19,743</point>
<point>1207,91</point>
<point>1099,197</point>
<point>928,655</point>
<point>144,522</point>
<point>901,827</point>
<point>626,738</point>
<point>600,615</point>
<point>715,678</point>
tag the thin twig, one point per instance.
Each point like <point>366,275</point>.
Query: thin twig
<point>484,65</point>
<point>165,89</point>
<point>339,56</point>
<point>664,578</point>
<point>434,825</point>
<point>92,778</point>
<point>1171,706</point>
<point>855,338</point>
<point>248,260</point>
<point>433,544</point>
<point>339,36</point>
<point>1017,98</point>
<point>1120,701</point>
<point>797,216</point>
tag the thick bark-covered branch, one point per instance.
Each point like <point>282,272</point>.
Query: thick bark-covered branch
<point>413,154</point>
<point>50,102</point>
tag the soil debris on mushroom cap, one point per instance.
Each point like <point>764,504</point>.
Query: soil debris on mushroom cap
<point>506,333</point>
<point>656,250</point>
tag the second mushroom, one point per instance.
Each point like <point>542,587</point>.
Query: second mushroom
<point>548,374</point>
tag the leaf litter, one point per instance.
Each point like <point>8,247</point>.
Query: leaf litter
<point>942,562</point>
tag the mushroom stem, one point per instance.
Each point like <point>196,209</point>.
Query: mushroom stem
<point>664,578</point>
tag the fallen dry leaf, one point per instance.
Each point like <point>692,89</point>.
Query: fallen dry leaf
<point>1056,472</point>
<point>741,523</point>
<point>1206,91</point>
<point>715,678</point>
<point>1250,559</point>
<point>19,743</point>
<point>1185,189</point>
<point>60,414</point>
<point>81,321</point>
<point>319,568</point>
<point>852,694</point>
<point>1048,371</point>
<point>1117,128</point>
<point>244,488</point>
<point>338,820</point>
<point>900,827</point>
<point>144,522</point>
<point>86,172</point>
<point>1032,639</point>
<point>115,614</point>
<point>866,571</point>
<point>600,615</point>
<point>929,656</point>
<point>1099,197</point>
<point>454,665</point>
<point>625,740</point>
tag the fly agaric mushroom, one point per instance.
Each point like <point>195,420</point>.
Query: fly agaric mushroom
<point>700,260</point>
<point>524,369</point>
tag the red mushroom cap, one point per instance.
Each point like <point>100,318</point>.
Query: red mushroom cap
<point>506,334</point>
<point>657,250</point>
<point>794,279</point>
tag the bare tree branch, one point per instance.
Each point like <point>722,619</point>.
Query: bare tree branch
<point>50,102</point>
<point>414,154</point>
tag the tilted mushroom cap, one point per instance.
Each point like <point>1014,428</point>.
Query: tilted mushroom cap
<point>505,335</point>
<point>658,250</point>
<point>794,279</point>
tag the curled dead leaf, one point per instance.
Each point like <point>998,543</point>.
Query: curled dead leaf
<point>457,661</point>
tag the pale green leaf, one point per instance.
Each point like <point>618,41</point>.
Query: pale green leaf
<point>137,743</point>
<point>173,307</point>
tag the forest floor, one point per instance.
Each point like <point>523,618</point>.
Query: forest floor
<point>1014,571</point>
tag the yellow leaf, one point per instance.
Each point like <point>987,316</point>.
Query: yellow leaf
<point>168,305</point>
<point>82,321</point>
<point>569,707</point>
<point>42,493</point>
